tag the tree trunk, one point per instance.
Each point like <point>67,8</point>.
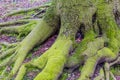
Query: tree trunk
<point>96,21</point>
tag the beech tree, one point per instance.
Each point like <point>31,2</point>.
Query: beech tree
<point>96,20</point>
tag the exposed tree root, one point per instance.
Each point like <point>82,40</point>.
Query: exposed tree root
<point>87,72</point>
<point>100,42</point>
<point>20,30</point>
<point>43,32</point>
<point>111,52</point>
<point>53,62</point>
<point>8,52</point>
<point>77,57</point>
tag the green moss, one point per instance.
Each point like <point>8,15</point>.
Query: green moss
<point>7,53</point>
<point>41,32</point>
<point>90,64</point>
<point>56,60</point>
<point>108,24</point>
<point>93,47</point>
<point>77,58</point>
<point>21,30</point>
<point>35,63</point>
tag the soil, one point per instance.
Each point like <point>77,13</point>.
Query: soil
<point>9,39</point>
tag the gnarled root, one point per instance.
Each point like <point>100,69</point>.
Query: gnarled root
<point>41,32</point>
<point>52,61</point>
<point>110,49</point>
<point>87,72</point>
<point>100,43</point>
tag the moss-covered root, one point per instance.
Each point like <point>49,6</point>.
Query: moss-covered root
<point>87,48</point>
<point>37,63</point>
<point>19,29</point>
<point>77,57</point>
<point>38,35</point>
<point>52,61</point>
<point>91,62</point>
<point>6,53</point>
<point>57,56</point>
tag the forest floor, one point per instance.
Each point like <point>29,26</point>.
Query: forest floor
<point>39,50</point>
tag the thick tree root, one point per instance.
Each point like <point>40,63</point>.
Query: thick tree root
<point>51,61</point>
<point>37,63</point>
<point>38,35</point>
<point>56,60</point>
<point>110,51</point>
<point>92,62</point>
<point>77,57</point>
